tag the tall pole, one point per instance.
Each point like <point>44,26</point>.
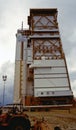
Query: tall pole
<point>4,77</point>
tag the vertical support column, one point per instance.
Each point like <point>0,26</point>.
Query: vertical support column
<point>24,91</point>
<point>20,68</point>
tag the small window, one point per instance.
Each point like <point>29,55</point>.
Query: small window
<point>28,44</point>
<point>48,93</point>
<point>41,93</point>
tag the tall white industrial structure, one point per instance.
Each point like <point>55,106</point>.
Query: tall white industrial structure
<point>41,75</point>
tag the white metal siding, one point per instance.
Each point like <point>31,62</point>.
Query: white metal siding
<point>49,76</point>
<point>54,82</point>
<point>29,55</point>
<point>51,89</point>
<point>25,50</point>
<point>17,81</point>
<point>41,93</point>
<point>49,63</point>
<point>38,76</point>
<point>18,51</point>
<point>50,70</point>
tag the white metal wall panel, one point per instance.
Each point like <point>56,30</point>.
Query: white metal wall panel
<point>24,77</point>
<point>50,76</point>
<point>17,69</point>
<point>51,89</point>
<point>46,93</point>
<point>54,82</point>
<point>49,63</point>
<point>39,76</point>
<point>25,50</point>
<point>44,29</point>
<point>17,81</point>
<point>29,60</point>
<point>29,51</point>
<point>29,55</point>
<point>21,39</point>
<point>50,70</point>
<point>18,50</point>
<point>48,36</point>
<point>20,76</point>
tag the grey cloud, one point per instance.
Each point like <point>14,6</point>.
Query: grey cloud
<point>73,75</point>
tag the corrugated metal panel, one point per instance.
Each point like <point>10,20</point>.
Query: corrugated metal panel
<point>38,76</point>
<point>51,89</point>
<point>49,63</point>
<point>54,82</point>
<point>50,70</point>
<point>50,78</point>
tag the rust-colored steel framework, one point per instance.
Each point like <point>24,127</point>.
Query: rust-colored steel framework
<point>45,34</point>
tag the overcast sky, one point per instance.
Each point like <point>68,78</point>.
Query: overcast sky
<point>12,13</point>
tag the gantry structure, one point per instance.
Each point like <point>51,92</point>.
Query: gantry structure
<point>41,74</point>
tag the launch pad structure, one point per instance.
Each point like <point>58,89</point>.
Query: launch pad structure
<point>41,74</point>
